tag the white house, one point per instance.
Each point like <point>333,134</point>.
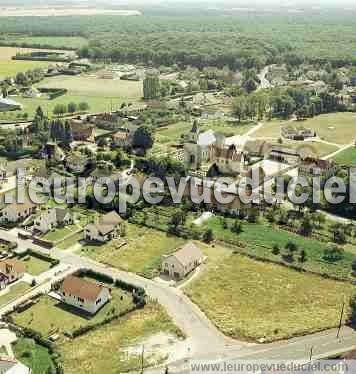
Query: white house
<point>12,366</point>
<point>17,212</point>
<point>108,227</point>
<point>83,294</point>
<point>182,262</point>
<point>10,271</point>
<point>53,218</point>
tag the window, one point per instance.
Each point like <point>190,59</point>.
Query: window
<point>98,301</point>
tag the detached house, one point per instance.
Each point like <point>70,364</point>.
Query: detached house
<point>17,212</point>
<point>184,261</point>
<point>83,131</point>
<point>10,271</point>
<point>83,294</point>
<point>107,227</point>
<point>323,168</point>
<point>53,218</point>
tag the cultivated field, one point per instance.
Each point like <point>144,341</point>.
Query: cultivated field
<point>143,253</point>
<point>9,68</point>
<point>59,11</point>
<point>49,41</point>
<point>254,300</point>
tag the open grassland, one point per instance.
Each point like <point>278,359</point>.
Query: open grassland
<point>253,300</point>
<point>34,265</point>
<point>347,157</point>
<point>15,291</point>
<point>34,356</point>
<point>103,350</point>
<point>50,316</point>
<point>143,253</point>
<point>258,240</point>
<point>86,85</point>
<point>74,42</point>
<point>338,128</point>
<point>9,67</point>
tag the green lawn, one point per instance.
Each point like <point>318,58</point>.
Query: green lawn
<point>60,233</point>
<point>248,299</point>
<point>259,239</point>
<point>33,355</point>
<point>35,265</point>
<point>347,158</point>
<point>71,241</point>
<point>50,316</point>
<point>143,253</point>
<point>16,291</point>
<point>102,350</point>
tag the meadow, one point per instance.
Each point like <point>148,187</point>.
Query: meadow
<point>253,300</point>
<point>9,67</point>
<point>347,157</point>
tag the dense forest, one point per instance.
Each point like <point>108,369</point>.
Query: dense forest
<point>241,40</point>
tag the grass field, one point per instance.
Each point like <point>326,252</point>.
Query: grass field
<point>50,316</point>
<point>259,239</point>
<point>15,291</point>
<point>142,254</point>
<point>102,350</point>
<point>336,128</point>
<point>9,68</point>
<point>347,157</point>
<point>50,41</point>
<point>33,355</point>
<point>60,233</point>
<point>253,300</point>
<point>34,265</point>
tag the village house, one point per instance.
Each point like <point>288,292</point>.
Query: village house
<point>322,168</point>
<point>55,217</point>
<point>76,162</point>
<point>10,271</point>
<point>83,294</point>
<point>82,130</point>
<point>106,228</point>
<point>297,132</point>
<point>179,264</point>
<point>51,151</point>
<point>17,212</point>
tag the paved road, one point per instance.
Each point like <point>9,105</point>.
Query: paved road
<point>204,340</point>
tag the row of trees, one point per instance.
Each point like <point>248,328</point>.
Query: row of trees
<point>71,108</point>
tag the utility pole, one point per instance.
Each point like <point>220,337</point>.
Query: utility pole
<point>341,316</point>
<point>142,357</point>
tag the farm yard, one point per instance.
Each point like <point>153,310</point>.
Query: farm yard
<point>255,300</point>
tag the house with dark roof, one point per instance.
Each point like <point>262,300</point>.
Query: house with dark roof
<point>10,271</point>
<point>106,228</point>
<point>7,105</point>
<point>182,262</point>
<point>83,131</point>
<point>312,167</point>
<point>83,294</point>
<point>52,218</point>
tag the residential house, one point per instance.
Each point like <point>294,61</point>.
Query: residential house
<point>51,151</point>
<point>55,217</point>
<point>83,294</point>
<point>284,154</point>
<point>322,168</point>
<point>83,131</point>
<point>17,212</point>
<point>106,228</point>
<point>32,93</point>
<point>297,132</point>
<point>12,366</point>
<point>179,264</point>
<point>10,271</point>
<point>123,138</point>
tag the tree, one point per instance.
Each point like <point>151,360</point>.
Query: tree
<point>143,138</point>
<point>237,227</point>
<point>68,134</point>
<point>353,267</point>
<point>306,225</point>
<point>151,86</point>
<point>59,110</point>
<point>291,246</point>
<point>83,106</point>
<point>72,108</point>
<point>276,250</point>
<point>353,311</point>
<point>333,254</point>
<point>303,256</point>
<point>250,86</point>
<point>208,236</point>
